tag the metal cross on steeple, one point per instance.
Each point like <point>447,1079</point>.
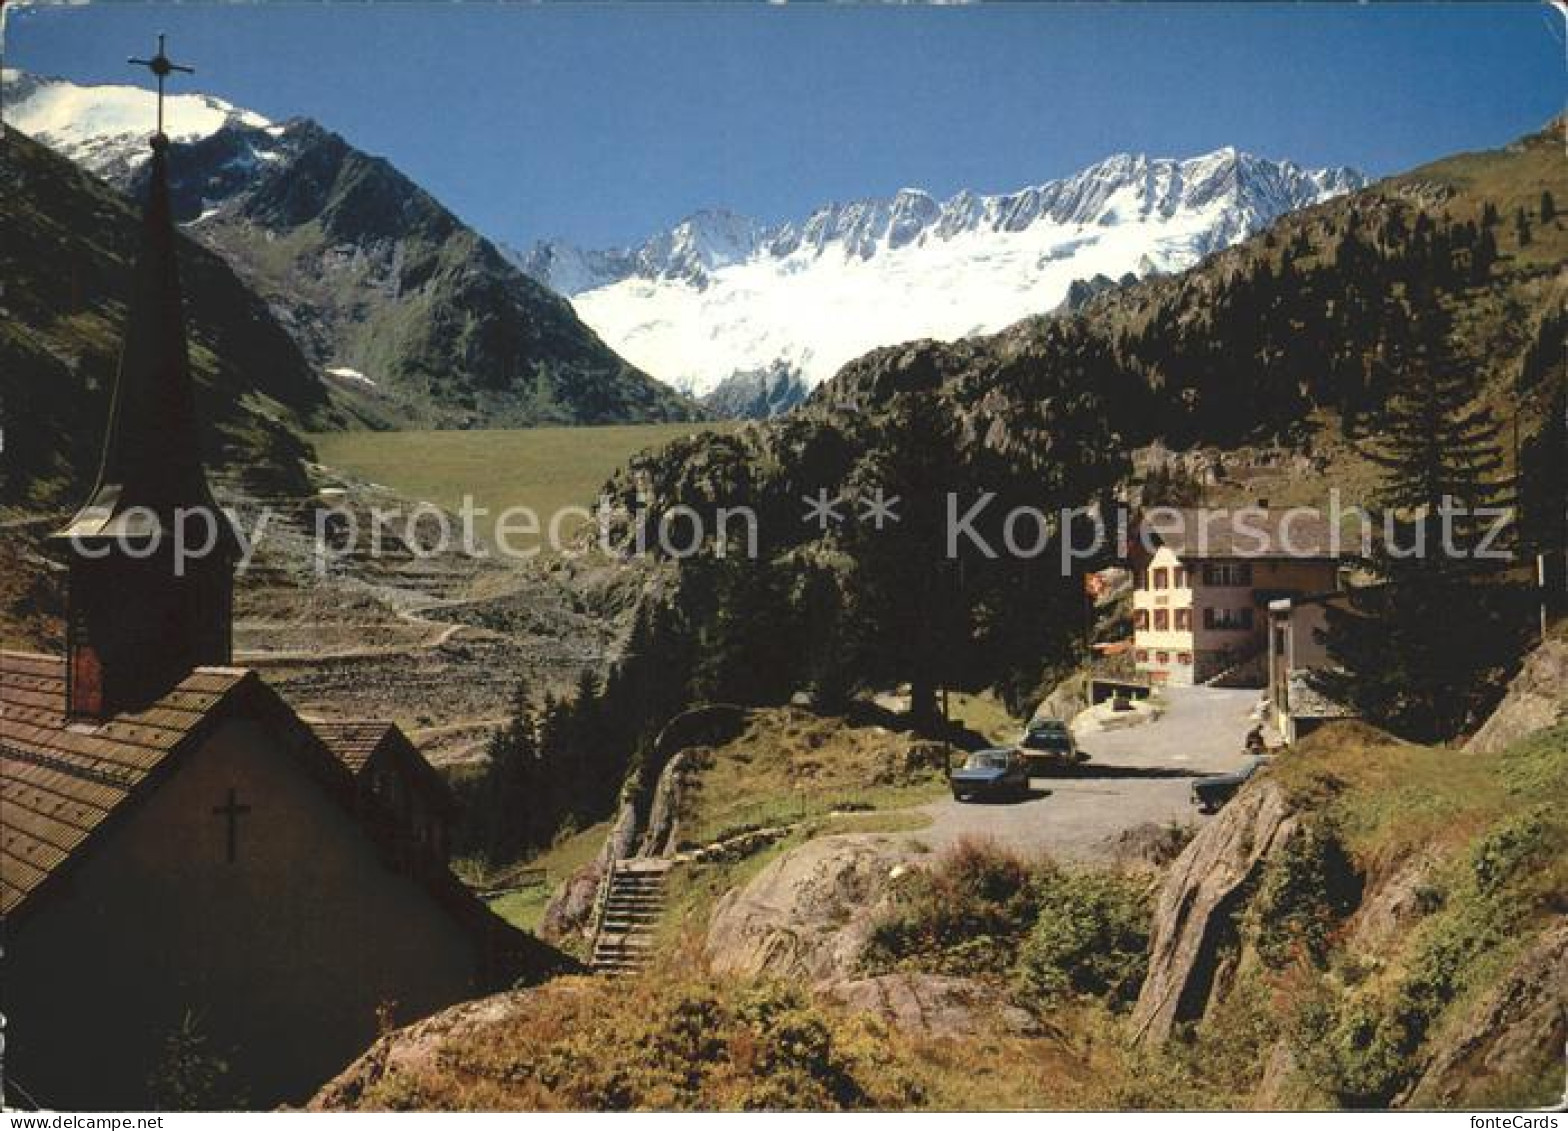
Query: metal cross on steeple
<point>160,65</point>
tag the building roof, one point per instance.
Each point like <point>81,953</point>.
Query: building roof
<point>1307,702</point>
<point>355,742</point>
<point>62,779</point>
<point>151,466</point>
<point>1243,532</point>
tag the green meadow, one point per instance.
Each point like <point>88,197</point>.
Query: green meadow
<point>542,468</point>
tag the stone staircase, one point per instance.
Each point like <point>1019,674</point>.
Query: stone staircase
<point>1247,670</point>
<point>630,901</point>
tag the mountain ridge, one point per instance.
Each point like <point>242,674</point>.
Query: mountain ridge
<point>369,273</point>
<point>720,295</point>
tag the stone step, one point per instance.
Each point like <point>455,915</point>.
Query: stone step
<point>624,947</point>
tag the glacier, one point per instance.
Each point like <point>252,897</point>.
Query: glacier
<point>719,295</point>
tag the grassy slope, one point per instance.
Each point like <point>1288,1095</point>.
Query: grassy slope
<point>525,908</point>
<point>1484,853</point>
<point>594,1044</point>
<point>1491,324</point>
<point>66,263</point>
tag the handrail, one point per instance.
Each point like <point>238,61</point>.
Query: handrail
<point>601,902</point>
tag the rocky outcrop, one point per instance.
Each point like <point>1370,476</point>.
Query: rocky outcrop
<point>1537,699</point>
<point>637,833</point>
<point>807,915</point>
<point>663,831</point>
<point>1194,913</point>
<point>570,910</point>
<point>414,1048</point>
<point>1516,1035</point>
<point>934,1005</point>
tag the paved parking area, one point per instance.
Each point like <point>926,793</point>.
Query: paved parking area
<point>1134,776</point>
<point>1203,729</point>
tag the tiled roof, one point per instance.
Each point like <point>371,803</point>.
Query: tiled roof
<point>61,779</point>
<point>1245,532</point>
<point>353,742</point>
<point>1307,702</point>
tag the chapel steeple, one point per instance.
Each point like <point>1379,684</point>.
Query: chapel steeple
<point>150,554</point>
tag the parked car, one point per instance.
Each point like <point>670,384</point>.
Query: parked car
<point>991,773</point>
<point>1049,742</point>
<point>1209,793</point>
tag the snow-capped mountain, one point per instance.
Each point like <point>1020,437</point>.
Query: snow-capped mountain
<point>720,295</point>
<point>105,128</point>
<point>411,317</point>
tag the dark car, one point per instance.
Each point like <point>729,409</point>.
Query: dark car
<point>1209,793</point>
<point>1049,742</point>
<point>991,773</point>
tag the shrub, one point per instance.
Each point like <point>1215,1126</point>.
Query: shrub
<point>1306,891</point>
<point>1091,937</point>
<point>965,916</point>
<point>1502,851</point>
<point>190,1075</point>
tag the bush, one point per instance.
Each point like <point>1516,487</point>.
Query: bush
<point>1503,850</point>
<point>966,916</point>
<point>190,1075</point>
<point>1091,937</point>
<point>982,912</point>
<point>1307,890</point>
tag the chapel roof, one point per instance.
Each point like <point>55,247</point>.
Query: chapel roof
<point>63,779</point>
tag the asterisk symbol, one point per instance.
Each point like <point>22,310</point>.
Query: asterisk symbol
<point>877,508</point>
<point>821,510</point>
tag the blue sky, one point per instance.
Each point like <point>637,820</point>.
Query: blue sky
<point>604,123</point>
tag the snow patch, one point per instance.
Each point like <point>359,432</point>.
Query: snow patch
<point>344,373</point>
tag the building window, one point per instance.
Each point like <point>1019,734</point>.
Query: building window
<point>1184,658</point>
<point>1162,578</point>
<point>1162,620</point>
<point>1140,620</point>
<point>1183,620</point>
<point>1227,620</point>
<point>1181,578</point>
<point>1163,657</point>
<point>1228,573</point>
<point>1143,655</point>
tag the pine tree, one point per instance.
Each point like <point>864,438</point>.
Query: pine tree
<point>1548,207</point>
<point>507,796</point>
<point>1482,256</point>
<point>898,583</point>
<point>1522,226</point>
<point>1422,650</point>
<point>1543,474</point>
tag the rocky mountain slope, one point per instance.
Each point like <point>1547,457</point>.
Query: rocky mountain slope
<point>720,294</point>
<point>66,263</point>
<point>1384,922</point>
<point>414,318</point>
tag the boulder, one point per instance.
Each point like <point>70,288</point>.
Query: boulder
<point>807,915</point>
<point>1193,914</point>
<point>415,1047</point>
<point>1536,699</point>
<point>934,1005</point>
